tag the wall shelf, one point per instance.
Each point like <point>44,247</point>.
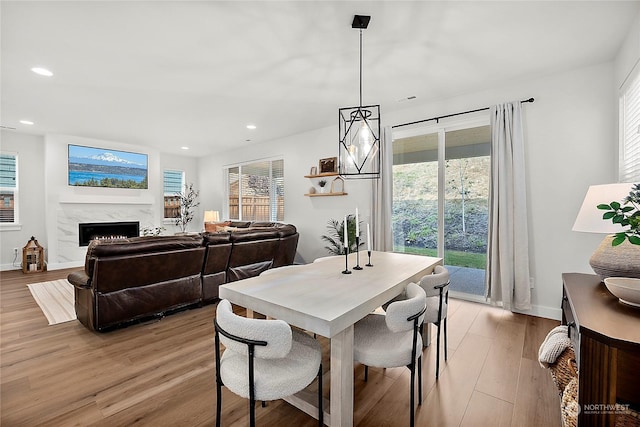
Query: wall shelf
<point>325,194</point>
<point>320,175</point>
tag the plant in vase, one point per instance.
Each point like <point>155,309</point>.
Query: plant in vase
<point>626,216</point>
<point>322,184</point>
<point>188,201</point>
<point>335,237</point>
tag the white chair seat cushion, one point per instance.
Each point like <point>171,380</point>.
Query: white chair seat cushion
<point>274,378</point>
<point>371,343</point>
<point>431,315</point>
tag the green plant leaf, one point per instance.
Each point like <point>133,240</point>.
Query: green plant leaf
<point>618,239</point>
<point>627,209</point>
<point>604,207</point>
<point>608,215</point>
<point>618,219</point>
<point>634,239</point>
<point>615,205</point>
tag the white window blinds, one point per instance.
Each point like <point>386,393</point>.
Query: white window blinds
<point>629,164</point>
<point>8,188</point>
<point>256,191</point>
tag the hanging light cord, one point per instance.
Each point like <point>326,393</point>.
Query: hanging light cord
<point>361,67</point>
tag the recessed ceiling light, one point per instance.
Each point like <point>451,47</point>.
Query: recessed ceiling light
<point>42,71</point>
<point>185,148</point>
<point>26,122</point>
<point>252,127</point>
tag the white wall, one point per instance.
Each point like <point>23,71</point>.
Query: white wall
<point>30,149</point>
<point>570,136</point>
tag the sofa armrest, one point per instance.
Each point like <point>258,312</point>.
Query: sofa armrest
<point>79,279</point>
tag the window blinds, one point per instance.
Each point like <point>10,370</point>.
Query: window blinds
<point>629,164</point>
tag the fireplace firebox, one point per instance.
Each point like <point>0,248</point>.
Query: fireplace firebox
<point>107,230</point>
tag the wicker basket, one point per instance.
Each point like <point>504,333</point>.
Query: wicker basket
<point>629,419</point>
<point>564,369</point>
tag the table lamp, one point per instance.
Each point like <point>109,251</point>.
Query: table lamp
<point>608,261</point>
<point>211,217</point>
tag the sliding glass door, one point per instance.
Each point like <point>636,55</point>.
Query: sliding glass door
<point>440,207</point>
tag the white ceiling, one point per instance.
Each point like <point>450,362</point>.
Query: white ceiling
<point>167,74</point>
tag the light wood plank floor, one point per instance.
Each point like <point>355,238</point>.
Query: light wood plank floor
<point>162,373</point>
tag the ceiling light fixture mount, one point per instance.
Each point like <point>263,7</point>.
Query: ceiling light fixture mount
<point>359,130</point>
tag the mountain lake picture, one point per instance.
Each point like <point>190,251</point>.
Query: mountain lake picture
<point>97,167</point>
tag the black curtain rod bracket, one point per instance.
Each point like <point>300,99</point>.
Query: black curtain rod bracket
<point>437,119</point>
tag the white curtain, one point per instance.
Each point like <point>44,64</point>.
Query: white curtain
<point>382,198</point>
<point>507,278</point>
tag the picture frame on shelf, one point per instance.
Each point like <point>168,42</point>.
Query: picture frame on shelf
<point>337,185</point>
<point>314,170</point>
<point>328,165</point>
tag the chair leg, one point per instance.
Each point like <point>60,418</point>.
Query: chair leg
<point>438,353</point>
<point>412,367</point>
<point>445,338</point>
<point>320,406</point>
<point>218,403</point>
<point>252,412</point>
<point>366,373</point>
<point>420,380</point>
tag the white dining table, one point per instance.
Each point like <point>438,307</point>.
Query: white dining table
<point>319,298</point>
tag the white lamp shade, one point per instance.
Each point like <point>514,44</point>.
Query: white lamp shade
<point>589,218</point>
<point>211,216</point>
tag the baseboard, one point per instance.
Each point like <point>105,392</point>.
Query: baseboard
<point>63,265</point>
<point>8,267</point>
<point>543,311</point>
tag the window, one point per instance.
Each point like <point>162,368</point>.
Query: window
<point>256,191</point>
<point>8,188</point>
<point>173,183</point>
<point>629,164</point>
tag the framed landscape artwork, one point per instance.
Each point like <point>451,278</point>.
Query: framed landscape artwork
<point>98,167</point>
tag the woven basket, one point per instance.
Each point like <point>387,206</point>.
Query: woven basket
<point>629,419</point>
<point>564,370</point>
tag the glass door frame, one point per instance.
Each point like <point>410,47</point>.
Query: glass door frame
<point>441,128</point>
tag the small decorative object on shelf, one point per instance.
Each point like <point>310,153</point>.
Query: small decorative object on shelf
<point>322,184</point>
<point>337,185</point>
<point>33,257</point>
<point>328,165</point>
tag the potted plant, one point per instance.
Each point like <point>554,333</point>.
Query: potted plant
<point>626,216</point>
<point>335,237</point>
<point>322,183</point>
<point>188,201</point>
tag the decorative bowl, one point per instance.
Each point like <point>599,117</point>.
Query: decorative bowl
<point>627,289</point>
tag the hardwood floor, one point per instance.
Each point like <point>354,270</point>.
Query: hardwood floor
<point>162,373</point>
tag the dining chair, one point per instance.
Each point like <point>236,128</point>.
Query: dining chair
<point>393,339</point>
<point>436,287</point>
<point>263,360</point>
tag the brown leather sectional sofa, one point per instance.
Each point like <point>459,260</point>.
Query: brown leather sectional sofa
<point>141,277</point>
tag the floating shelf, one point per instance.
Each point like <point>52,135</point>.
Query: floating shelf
<point>320,175</point>
<point>325,194</point>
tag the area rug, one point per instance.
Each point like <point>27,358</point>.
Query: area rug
<point>56,300</point>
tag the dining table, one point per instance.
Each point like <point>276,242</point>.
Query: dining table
<point>328,298</point>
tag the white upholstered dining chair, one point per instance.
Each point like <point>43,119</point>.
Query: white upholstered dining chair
<point>436,287</point>
<point>393,339</point>
<point>263,360</point>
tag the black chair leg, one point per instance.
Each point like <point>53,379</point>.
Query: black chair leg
<point>412,367</point>
<point>438,354</point>
<point>320,399</point>
<point>252,412</point>
<point>218,403</point>
<point>445,338</point>
<point>366,373</point>
<point>420,380</point>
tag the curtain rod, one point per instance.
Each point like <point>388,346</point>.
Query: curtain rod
<point>450,115</point>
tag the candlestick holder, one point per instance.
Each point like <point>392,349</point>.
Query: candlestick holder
<point>357,267</point>
<point>346,261</point>
<point>369,263</point>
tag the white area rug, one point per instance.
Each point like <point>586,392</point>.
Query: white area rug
<point>56,299</point>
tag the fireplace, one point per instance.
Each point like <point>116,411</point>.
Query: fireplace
<point>107,230</point>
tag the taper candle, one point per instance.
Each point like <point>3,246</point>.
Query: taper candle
<point>368,237</point>
<point>346,236</point>
<point>357,224</point>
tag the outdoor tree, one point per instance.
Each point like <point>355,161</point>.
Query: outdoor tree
<point>460,183</point>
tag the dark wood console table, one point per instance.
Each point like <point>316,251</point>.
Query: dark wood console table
<point>606,338</point>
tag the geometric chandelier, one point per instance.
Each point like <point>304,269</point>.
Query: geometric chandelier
<point>359,130</point>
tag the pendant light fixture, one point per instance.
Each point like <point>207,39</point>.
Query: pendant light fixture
<point>359,130</point>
